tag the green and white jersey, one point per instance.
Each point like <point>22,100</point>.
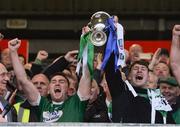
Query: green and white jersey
<point>72,110</point>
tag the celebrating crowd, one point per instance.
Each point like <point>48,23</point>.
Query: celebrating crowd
<point>140,91</point>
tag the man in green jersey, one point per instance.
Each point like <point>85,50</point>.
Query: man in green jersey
<point>58,107</point>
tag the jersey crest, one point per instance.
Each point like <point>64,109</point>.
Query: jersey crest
<point>52,116</point>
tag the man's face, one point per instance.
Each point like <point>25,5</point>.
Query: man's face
<point>134,52</point>
<point>5,58</point>
<point>115,19</point>
<point>94,92</point>
<point>161,70</point>
<point>58,88</point>
<point>41,82</point>
<point>169,92</point>
<point>139,76</point>
<point>152,82</point>
<point>4,78</point>
<point>22,60</point>
<point>72,86</point>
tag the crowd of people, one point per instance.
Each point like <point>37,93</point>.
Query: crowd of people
<point>142,91</point>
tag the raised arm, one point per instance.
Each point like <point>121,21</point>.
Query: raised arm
<point>85,83</point>
<point>114,78</point>
<point>27,86</point>
<point>175,51</point>
<point>37,67</point>
<point>155,59</point>
<point>61,63</point>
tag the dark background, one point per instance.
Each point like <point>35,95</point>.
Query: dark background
<point>55,25</point>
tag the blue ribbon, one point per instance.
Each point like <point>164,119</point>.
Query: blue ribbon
<point>111,44</point>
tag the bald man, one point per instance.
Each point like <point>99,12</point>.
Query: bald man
<point>4,78</point>
<point>134,52</point>
<point>41,82</point>
<point>5,58</point>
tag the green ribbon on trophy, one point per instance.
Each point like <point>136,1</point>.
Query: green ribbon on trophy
<point>86,51</point>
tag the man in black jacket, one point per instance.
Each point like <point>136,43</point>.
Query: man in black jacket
<point>127,107</point>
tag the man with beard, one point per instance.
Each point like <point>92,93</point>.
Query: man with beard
<point>60,107</point>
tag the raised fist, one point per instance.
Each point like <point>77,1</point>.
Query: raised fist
<point>42,55</point>
<point>85,29</point>
<point>176,30</point>
<point>71,56</point>
<point>14,44</point>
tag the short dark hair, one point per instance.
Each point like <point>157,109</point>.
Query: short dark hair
<point>140,62</point>
<point>61,74</point>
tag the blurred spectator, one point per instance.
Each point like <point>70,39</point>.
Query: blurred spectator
<point>152,81</point>
<point>22,59</point>
<point>73,81</point>
<point>5,58</point>
<point>170,89</point>
<point>41,82</point>
<point>132,56</point>
<point>134,51</point>
<point>73,85</point>
<point>4,78</point>
<point>161,70</point>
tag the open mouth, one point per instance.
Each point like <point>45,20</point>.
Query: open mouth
<point>57,90</point>
<point>138,77</point>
